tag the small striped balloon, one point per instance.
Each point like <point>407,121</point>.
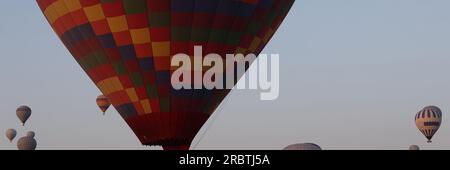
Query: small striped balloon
<point>428,121</point>
<point>103,103</point>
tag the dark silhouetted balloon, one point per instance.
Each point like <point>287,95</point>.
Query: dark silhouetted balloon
<point>303,146</point>
<point>23,113</point>
<point>414,147</point>
<point>11,134</point>
<point>26,143</point>
<point>31,134</point>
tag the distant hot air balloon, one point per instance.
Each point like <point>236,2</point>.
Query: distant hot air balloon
<point>414,147</point>
<point>103,103</point>
<point>11,134</point>
<point>428,121</point>
<point>23,113</point>
<point>126,47</point>
<point>31,134</point>
<point>303,146</point>
<point>26,143</point>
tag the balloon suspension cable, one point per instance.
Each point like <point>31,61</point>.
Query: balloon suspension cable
<point>214,117</point>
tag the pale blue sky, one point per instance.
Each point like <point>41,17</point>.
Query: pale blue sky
<point>353,74</point>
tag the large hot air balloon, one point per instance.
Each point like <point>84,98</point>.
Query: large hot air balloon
<point>126,46</point>
<point>11,134</point>
<point>303,146</point>
<point>23,113</point>
<point>26,143</point>
<point>414,147</point>
<point>103,103</point>
<point>428,121</point>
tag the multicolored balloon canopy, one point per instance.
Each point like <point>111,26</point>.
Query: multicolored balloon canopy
<point>126,46</point>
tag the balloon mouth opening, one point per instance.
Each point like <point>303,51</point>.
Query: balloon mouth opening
<point>171,144</point>
<point>178,147</point>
